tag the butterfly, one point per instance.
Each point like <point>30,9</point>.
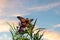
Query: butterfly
<point>25,22</point>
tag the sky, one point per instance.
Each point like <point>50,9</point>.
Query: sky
<point>46,11</point>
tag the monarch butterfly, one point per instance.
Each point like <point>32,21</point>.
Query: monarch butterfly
<point>25,22</point>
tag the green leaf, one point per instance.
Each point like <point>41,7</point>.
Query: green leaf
<point>12,34</point>
<point>10,26</point>
<point>39,29</point>
<point>34,23</point>
<point>41,36</point>
<point>36,35</point>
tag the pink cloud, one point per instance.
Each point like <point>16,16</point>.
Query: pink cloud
<point>52,35</point>
<point>4,27</point>
<point>2,3</point>
<point>2,6</point>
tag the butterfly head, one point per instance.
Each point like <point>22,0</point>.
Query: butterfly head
<point>19,17</point>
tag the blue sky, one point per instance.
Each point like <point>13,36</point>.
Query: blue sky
<point>47,12</point>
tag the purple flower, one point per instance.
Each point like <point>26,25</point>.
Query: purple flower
<point>19,23</point>
<point>21,29</point>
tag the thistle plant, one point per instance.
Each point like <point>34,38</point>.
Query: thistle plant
<point>23,32</point>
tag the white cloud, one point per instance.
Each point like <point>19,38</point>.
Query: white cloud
<point>57,25</point>
<point>5,37</point>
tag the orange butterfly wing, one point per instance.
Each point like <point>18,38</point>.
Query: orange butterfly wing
<point>28,22</point>
<point>21,19</point>
<point>24,22</point>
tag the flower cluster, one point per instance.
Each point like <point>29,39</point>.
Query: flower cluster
<point>25,30</point>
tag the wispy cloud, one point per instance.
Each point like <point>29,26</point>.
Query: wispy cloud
<point>57,25</point>
<point>56,11</point>
<point>45,7</point>
<point>18,14</point>
<point>15,7</point>
<point>15,14</point>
